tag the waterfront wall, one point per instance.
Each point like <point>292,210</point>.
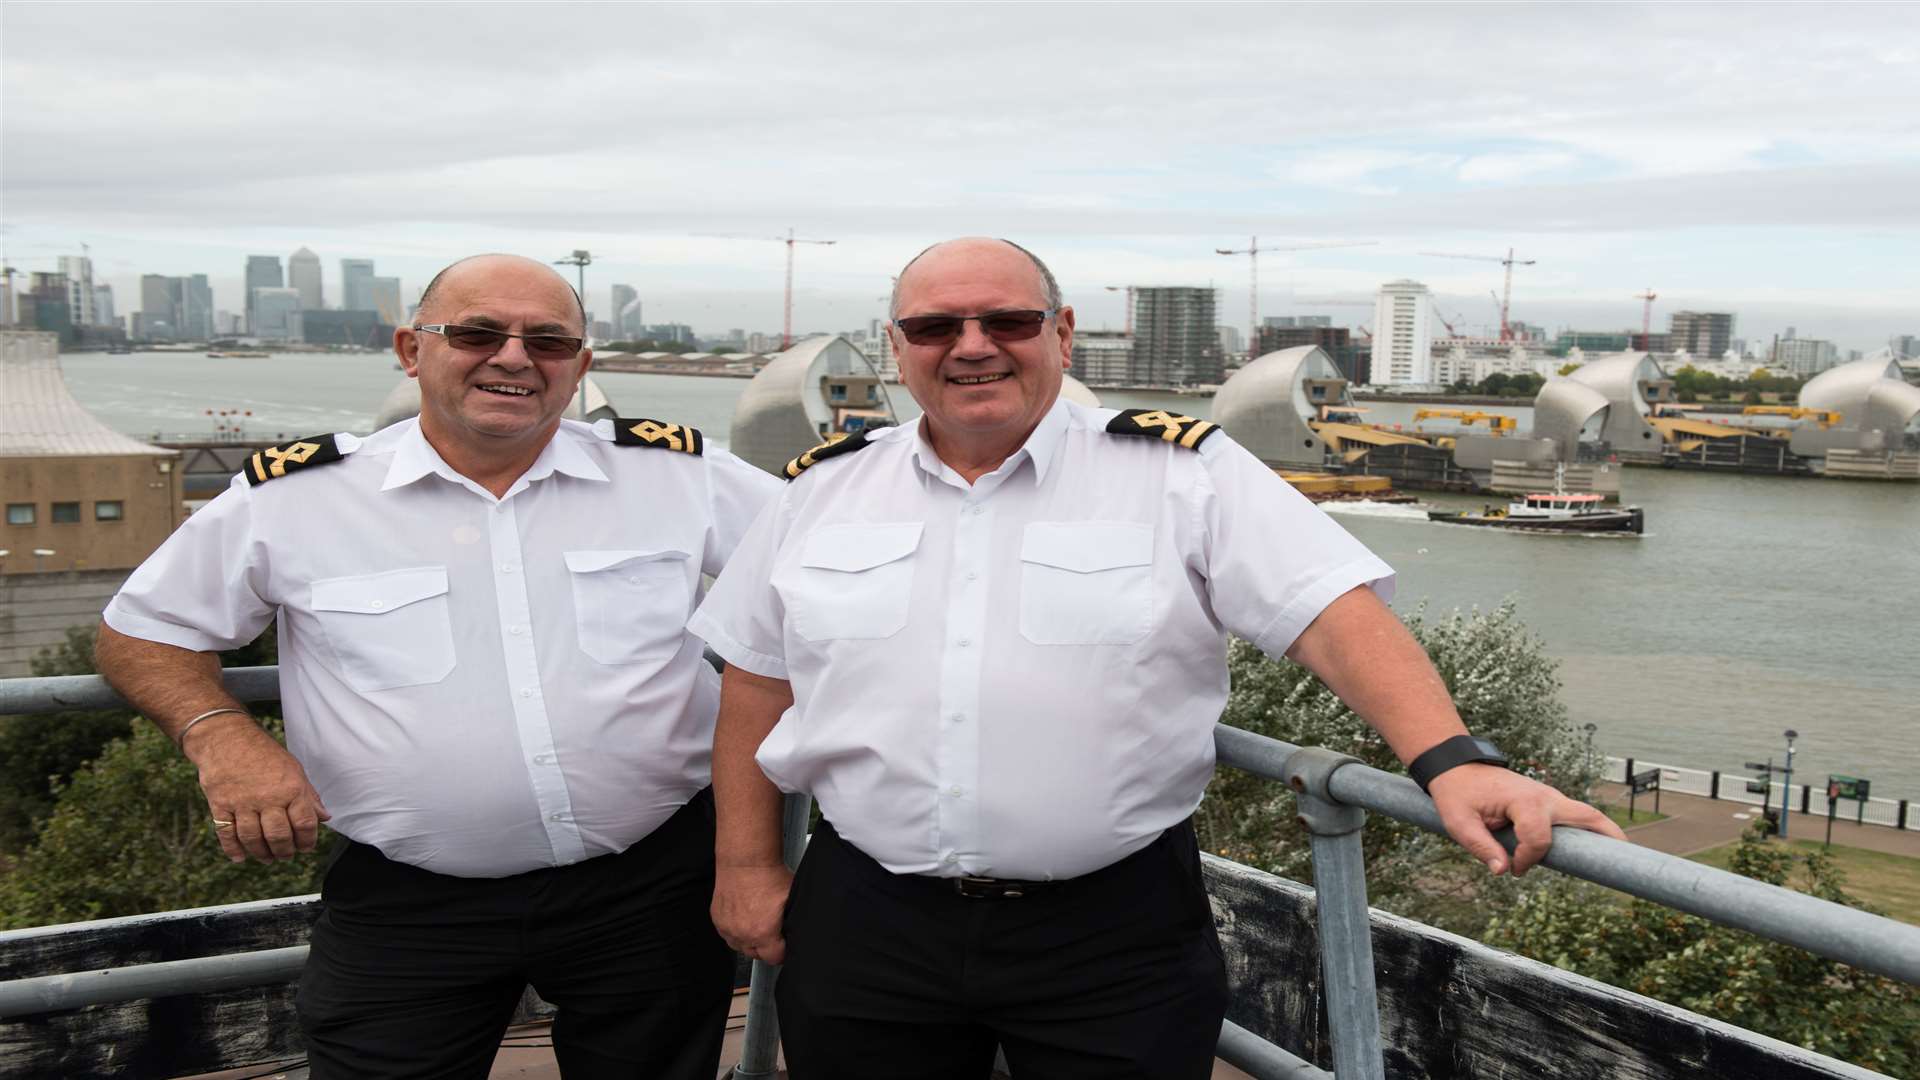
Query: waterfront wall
<point>1731,786</point>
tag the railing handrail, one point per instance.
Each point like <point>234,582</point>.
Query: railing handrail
<point>1327,783</point>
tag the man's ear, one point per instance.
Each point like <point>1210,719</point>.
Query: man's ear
<point>406,346</point>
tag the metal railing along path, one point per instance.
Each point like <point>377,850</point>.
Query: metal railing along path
<point>1334,792</point>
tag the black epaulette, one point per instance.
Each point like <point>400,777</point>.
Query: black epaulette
<point>662,436</point>
<point>278,461</point>
<point>1161,424</point>
<point>834,447</point>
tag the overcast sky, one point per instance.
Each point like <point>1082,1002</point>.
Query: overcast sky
<point>1758,159</point>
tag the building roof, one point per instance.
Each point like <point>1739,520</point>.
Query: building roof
<point>39,417</point>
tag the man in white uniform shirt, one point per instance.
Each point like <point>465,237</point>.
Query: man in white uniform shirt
<point>488,688</point>
<point>992,646</point>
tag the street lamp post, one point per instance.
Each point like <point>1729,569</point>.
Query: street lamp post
<point>1590,728</point>
<point>580,260</point>
<point>1786,788</point>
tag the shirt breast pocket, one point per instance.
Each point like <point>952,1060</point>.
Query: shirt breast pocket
<point>387,630</point>
<point>853,581</point>
<point>630,606</point>
<point>1086,583</point>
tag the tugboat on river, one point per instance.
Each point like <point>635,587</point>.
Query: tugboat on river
<point>1552,511</point>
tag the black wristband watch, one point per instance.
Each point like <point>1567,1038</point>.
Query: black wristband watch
<point>1459,750</point>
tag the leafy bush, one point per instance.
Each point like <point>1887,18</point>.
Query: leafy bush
<point>1777,990</point>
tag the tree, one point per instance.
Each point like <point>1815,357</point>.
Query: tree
<point>40,752</point>
<point>1568,369</point>
<point>1774,989</point>
<point>1506,689</point>
<point>130,834</point>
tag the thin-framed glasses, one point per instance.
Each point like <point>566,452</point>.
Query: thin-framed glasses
<point>998,325</point>
<point>485,339</point>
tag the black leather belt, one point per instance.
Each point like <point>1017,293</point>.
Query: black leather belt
<point>986,888</point>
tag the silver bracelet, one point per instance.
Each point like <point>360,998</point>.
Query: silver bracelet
<point>180,737</point>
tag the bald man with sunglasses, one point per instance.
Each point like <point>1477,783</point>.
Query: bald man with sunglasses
<point>489,692</point>
<point>992,646</point>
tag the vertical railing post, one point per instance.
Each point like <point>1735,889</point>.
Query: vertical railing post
<point>760,1042</point>
<point>1340,899</point>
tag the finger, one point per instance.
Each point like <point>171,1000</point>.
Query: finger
<point>1581,816</point>
<point>224,835</point>
<point>1471,833</point>
<point>1533,825</point>
<point>277,831</point>
<point>246,825</point>
<point>305,818</point>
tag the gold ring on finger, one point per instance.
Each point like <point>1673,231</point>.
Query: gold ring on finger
<point>219,824</point>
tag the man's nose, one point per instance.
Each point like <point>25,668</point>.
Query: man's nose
<point>512,355</point>
<point>974,341</point>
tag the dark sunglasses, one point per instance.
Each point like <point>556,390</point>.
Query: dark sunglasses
<point>998,325</point>
<point>482,339</point>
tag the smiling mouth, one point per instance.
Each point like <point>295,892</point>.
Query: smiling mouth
<point>979,380</point>
<point>508,391</point>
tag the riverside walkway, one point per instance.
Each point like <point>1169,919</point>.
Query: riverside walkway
<point>1694,824</point>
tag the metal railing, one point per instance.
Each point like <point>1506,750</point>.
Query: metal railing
<point>1334,792</point>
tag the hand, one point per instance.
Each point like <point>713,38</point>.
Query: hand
<point>748,902</point>
<point>1475,799</point>
<point>252,781</point>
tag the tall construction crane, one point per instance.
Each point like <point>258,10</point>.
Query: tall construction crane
<point>1646,318</point>
<point>1252,252</point>
<point>1506,300</point>
<point>786,325</point>
<point>1129,291</point>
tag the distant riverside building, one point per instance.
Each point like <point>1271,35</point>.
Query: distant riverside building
<point>383,294</point>
<point>363,328</point>
<point>680,334</point>
<point>1174,342</point>
<point>1804,356</point>
<point>1906,346</point>
<point>1702,333</point>
<point>1593,341</point>
<point>356,278</point>
<point>1403,334</point>
<point>303,275</point>
<point>78,272</point>
<point>276,314</point>
<point>1655,343</point>
<point>1102,357</point>
<point>1292,322</point>
<point>1354,363</point>
<point>1526,331</point>
<point>1230,341</point>
<point>97,501</point>
<point>626,313</point>
<point>103,312</point>
<point>263,272</point>
<point>46,306</point>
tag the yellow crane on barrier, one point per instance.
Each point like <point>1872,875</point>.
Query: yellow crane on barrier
<point>1498,424</point>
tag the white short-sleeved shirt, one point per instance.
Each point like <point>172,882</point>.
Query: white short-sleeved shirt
<point>1019,678</point>
<point>476,686</point>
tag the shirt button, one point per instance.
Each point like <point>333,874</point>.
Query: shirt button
<point>635,580</point>
<point>543,759</point>
<point>516,631</point>
<point>971,576</point>
<point>957,717</point>
<point>951,858</point>
<point>979,509</point>
<point>964,642</point>
<point>526,691</point>
<point>954,791</point>
<point>506,568</point>
<point>561,817</point>
<point>377,604</point>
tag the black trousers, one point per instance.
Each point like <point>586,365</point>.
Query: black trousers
<point>1117,974</point>
<point>415,974</point>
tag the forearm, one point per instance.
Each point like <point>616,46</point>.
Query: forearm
<point>1366,656</point>
<point>166,684</point>
<point>746,803</point>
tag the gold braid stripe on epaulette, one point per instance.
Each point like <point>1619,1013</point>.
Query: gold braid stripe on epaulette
<point>1185,431</point>
<point>278,461</point>
<point>836,444</point>
<point>658,434</point>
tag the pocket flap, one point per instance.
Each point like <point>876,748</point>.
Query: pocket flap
<point>859,547</point>
<point>1084,547</point>
<point>587,562</point>
<point>377,594</point>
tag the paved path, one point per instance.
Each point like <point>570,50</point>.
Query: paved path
<point>1695,823</point>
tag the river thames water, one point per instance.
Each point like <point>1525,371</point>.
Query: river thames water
<point>1752,605</point>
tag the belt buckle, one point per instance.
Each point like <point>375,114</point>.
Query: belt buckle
<point>985,888</point>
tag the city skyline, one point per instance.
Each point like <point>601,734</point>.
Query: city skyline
<point>1127,151</point>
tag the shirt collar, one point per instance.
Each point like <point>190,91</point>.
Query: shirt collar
<point>415,457</point>
<point>1041,447</point>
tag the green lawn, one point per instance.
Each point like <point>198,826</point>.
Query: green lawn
<point>1643,815</point>
<point>1888,882</point>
